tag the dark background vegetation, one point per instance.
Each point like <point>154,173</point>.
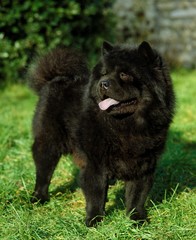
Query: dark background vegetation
<point>32,26</point>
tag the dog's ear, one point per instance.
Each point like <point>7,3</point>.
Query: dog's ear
<point>106,47</point>
<point>147,52</point>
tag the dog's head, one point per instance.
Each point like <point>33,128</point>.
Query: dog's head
<point>129,81</point>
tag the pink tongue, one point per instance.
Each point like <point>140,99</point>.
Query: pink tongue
<point>105,104</point>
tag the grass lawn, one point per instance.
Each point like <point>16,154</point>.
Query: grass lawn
<point>171,205</point>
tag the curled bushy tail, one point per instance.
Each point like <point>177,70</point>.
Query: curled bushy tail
<point>59,63</point>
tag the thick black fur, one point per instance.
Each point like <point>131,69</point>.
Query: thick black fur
<point>123,141</point>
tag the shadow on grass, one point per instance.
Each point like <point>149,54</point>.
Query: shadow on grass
<point>176,169</point>
<point>68,186</point>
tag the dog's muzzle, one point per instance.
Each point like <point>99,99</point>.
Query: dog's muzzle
<point>105,84</point>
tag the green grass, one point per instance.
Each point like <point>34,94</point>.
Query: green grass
<point>171,205</point>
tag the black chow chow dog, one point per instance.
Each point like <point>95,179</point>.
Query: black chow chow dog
<point>114,122</point>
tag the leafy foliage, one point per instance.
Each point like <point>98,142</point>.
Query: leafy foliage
<point>36,25</point>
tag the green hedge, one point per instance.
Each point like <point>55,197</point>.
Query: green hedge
<point>32,26</point>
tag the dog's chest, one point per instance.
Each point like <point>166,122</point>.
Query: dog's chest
<point>130,157</point>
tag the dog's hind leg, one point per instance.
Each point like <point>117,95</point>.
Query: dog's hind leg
<point>46,156</point>
<point>50,138</point>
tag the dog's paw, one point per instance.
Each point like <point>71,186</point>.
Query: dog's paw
<point>39,198</point>
<point>92,222</point>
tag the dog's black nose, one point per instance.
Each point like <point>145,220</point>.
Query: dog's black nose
<point>105,84</point>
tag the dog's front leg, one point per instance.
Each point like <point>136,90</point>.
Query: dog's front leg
<point>136,193</point>
<point>94,185</point>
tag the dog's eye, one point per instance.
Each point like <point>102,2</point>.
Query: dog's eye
<point>125,77</point>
